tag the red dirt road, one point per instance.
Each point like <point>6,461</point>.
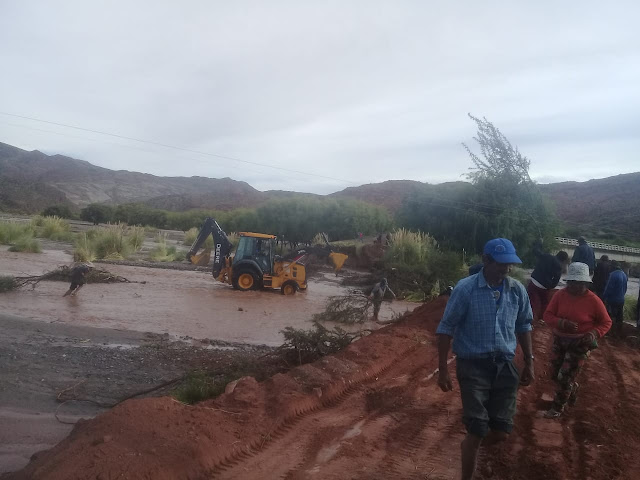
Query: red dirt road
<point>371,412</point>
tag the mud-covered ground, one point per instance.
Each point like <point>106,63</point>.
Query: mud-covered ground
<point>113,340</point>
<point>43,364</point>
<point>372,411</point>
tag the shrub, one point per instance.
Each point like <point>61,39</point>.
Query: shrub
<point>304,346</point>
<point>7,283</point>
<point>26,244</point>
<point>198,386</point>
<point>10,232</point>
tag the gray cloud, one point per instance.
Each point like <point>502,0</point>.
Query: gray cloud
<point>362,91</point>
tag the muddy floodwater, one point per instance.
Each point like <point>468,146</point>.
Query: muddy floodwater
<point>180,303</point>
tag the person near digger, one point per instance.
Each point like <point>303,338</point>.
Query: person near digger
<point>377,295</point>
<point>578,319</point>
<point>614,295</point>
<point>486,316</point>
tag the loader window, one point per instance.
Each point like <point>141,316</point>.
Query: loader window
<point>246,247</point>
<point>263,254</point>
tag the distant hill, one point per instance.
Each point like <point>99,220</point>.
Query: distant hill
<point>606,206</point>
<point>31,181</point>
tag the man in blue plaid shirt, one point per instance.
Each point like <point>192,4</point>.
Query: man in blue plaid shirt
<point>487,314</point>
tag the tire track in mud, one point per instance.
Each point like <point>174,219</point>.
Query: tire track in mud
<point>377,415</point>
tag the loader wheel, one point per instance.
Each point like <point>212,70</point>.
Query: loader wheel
<point>289,288</point>
<point>246,281</point>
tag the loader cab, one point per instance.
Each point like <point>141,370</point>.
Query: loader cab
<point>256,247</point>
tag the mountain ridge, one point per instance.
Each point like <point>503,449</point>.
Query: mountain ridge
<point>32,181</point>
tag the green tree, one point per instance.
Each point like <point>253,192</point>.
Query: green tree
<point>62,211</point>
<point>501,200</point>
<point>97,213</point>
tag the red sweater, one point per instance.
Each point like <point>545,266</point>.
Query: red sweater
<point>587,311</point>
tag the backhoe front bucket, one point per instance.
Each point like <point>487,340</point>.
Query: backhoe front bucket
<point>337,259</point>
<point>202,259</point>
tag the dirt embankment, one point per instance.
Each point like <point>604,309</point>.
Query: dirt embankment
<point>372,411</point>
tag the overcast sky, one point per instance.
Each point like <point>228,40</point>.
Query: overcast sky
<point>358,91</point>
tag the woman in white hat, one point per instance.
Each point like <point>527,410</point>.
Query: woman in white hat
<point>578,318</point>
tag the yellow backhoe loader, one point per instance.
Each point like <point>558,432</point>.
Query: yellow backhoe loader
<point>254,264</point>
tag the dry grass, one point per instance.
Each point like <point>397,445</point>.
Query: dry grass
<point>10,232</point>
<point>26,244</point>
<point>53,228</point>
<point>114,242</point>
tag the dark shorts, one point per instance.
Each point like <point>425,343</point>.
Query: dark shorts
<point>489,390</point>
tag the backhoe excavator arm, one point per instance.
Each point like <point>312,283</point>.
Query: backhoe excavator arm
<point>323,252</point>
<point>221,245</point>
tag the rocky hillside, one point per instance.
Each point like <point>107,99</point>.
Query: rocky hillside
<point>608,206</point>
<point>30,181</point>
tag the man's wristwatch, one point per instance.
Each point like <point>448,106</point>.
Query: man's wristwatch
<point>529,357</point>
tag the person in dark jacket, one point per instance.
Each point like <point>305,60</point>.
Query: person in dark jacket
<point>544,279</point>
<point>584,254</point>
<point>601,275</point>
<point>613,296</point>
<point>78,279</point>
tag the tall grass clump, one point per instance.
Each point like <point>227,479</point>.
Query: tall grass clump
<point>416,268</point>
<point>53,228</point>
<point>165,253</point>
<point>10,232</point>
<point>191,235</point>
<point>111,243</point>
<point>26,244</point>
<point>84,250</point>
<point>410,248</point>
<point>136,235</point>
<point>114,242</point>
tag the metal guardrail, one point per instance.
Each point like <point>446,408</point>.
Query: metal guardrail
<point>599,246</point>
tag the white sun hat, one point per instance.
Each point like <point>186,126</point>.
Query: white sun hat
<point>578,272</point>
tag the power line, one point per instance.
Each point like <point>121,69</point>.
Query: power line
<point>173,147</point>
<point>140,149</point>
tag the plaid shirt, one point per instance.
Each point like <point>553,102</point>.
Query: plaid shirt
<point>480,327</point>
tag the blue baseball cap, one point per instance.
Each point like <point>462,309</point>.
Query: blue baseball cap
<point>502,251</point>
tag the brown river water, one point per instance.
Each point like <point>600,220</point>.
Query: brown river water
<point>179,303</point>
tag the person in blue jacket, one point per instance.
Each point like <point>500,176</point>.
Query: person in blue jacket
<point>613,296</point>
<point>584,254</point>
